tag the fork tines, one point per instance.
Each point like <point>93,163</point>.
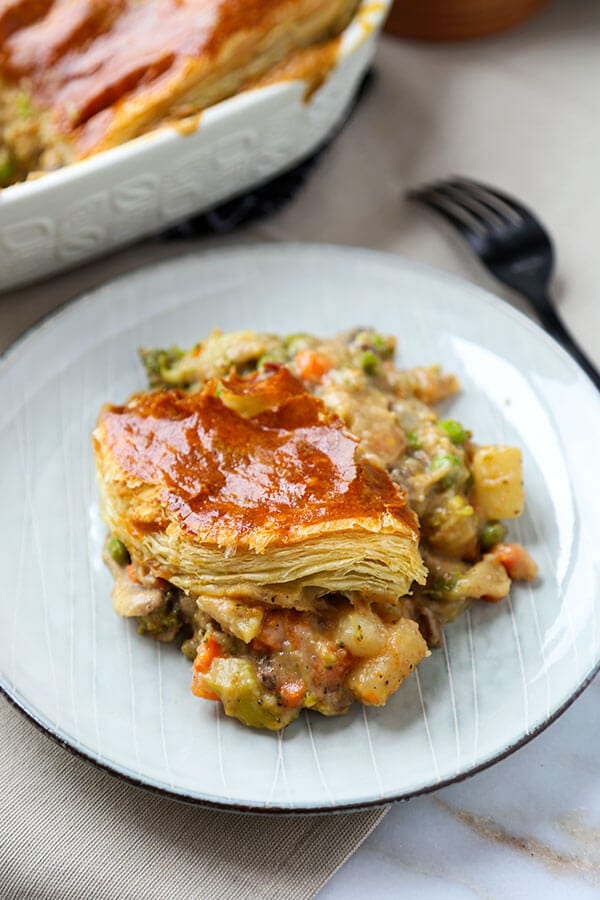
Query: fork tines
<point>472,206</point>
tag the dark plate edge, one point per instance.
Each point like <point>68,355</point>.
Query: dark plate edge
<point>302,810</point>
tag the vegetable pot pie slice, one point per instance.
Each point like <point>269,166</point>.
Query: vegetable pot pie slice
<point>78,78</point>
<point>263,501</point>
<point>283,547</point>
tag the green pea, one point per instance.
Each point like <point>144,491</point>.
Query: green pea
<point>23,106</point>
<point>369,362</point>
<point>7,167</point>
<point>295,338</point>
<point>384,346</point>
<point>442,462</point>
<point>445,583</point>
<point>439,587</point>
<point>446,459</point>
<point>274,357</point>
<point>454,430</point>
<point>189,648</point>
<point>493,532</point>
<point>413,440</point>
<point>118,551</point>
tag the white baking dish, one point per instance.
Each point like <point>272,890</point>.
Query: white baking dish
<point>90,207</point>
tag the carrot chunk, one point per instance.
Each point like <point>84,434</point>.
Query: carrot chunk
<point>208,650</point>
<point>292,693</point>
<point>311,365</point>
<point>516,560</point>
<point>199,688</point>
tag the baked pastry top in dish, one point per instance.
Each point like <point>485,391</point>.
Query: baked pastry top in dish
<point>294,510</point>
<point>78,78</point>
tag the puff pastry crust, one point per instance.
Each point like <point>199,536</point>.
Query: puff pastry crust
<point>252,488</point>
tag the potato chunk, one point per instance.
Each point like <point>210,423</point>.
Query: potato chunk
<point>498,475</point>
<point>486,580</point>
<point>375,679</point>
<point>361,633</point>
<point>240,619</point>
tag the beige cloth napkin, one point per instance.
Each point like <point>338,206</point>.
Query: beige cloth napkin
<point>68,830</point>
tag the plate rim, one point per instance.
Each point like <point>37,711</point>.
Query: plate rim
<point>417,266</point>
<point>261,247</point>
<point>338,808</point>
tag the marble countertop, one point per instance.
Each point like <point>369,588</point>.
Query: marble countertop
<point>527,827</point>
<point>521,111</point>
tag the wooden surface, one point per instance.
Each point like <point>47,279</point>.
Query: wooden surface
<point>448,20</point>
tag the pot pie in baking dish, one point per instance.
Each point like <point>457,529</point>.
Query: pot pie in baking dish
<point>295,512</point>
<point>80,77</point>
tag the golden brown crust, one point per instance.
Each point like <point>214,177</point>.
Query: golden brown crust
<point>17,14</point>
<point>286,469</point>
<point>112,69</point>
<point>255,478</point>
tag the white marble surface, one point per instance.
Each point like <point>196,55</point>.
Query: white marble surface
<point>528,827</point>
<point>521,111</point>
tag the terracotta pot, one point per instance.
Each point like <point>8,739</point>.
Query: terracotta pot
<point>453,20</point>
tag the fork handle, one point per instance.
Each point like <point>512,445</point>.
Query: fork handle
<point>553,324</point>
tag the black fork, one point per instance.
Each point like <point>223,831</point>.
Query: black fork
<point>511,243</point>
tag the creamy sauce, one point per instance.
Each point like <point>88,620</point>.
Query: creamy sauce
<point>187,126</point>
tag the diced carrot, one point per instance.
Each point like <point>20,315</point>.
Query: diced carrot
<point>259,645</point>
<point>272,633</point>
<point>371,697</point>
<point>132,573</point>
<point>208,650</point>
<point>488,599</point>
<point>199,688</point>
<point>516,560</point>
<point>311,365</point>
<point>292,693</point>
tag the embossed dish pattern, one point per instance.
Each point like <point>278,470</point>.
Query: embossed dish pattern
<point>89,208</point>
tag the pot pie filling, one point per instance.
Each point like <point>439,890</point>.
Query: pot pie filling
<point>294,511</point>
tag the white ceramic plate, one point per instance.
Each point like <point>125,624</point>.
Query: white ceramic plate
<point>124,701</point>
